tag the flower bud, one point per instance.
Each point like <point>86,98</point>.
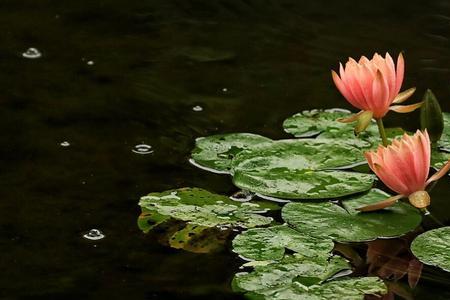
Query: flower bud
<point>431,116</point>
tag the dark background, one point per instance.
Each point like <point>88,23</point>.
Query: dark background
<point>248,63</point>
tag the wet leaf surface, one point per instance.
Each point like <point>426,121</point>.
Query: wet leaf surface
<point>200,207</point>
<point>432,248</point>
<point>444,142</point>
<point>297,277</point>
<point>300,169</point>
<point>270,243</point>
<point>345,224</point>
<point>214,153</point>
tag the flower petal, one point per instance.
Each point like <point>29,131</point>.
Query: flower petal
<point>403,96</point>
<point>405,108</point>
<point>380,205</point>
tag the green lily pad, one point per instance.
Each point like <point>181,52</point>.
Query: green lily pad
<point>214,153</point>
<point>310,123</point>
<point>270,243</point>
<point>324,124</point>
<point>297,277</point>
<point>432,248</point>
<point>200,207</point>
<point>345,224</point>
<point>444,142</point>
<point>301,169</point>
<point>300,154</point>
<point>439,159</point>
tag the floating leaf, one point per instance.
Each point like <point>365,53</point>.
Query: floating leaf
<point>345,224</point>
<point>324,124</point>
<point>310,123</point>
<point>431,116</point>
<point>299,169</point>
<point>439,159</point>
<point>303,184</point>
<point>444,142</point>
<point>297,277</point>
<point>432,248</point>
<point>200,207</point>
<point>214,153</point>
<point>270,243</point>
<point>149,219</point>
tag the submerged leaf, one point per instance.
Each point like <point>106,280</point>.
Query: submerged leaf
<point>346,224</point>
<point>432,248</point>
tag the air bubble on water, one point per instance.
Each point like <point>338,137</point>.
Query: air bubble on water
<point>197,108</point>
<point>94,235</point>
<point>142,149</point>
<point>65,144</point>
<point>32,53</point>
<point>224,90</point>
<point>90,63</point>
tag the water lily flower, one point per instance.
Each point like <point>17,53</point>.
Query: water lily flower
<point>404,166</point>
<point>372,86</point>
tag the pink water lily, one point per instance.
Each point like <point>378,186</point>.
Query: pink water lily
<point>404,166</point>
<point>372,86</point>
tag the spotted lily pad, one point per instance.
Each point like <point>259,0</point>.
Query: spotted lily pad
<point>200,207</point>
<point>345,224</point>
<point>444,142</point>
<point>432,248</point>
<point>301,169</point>
<point>297,277</point>
<point>214,153</point>
<point>270,243</point>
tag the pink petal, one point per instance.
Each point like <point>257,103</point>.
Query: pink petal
<point>380,94</point>
<point>399,73</point>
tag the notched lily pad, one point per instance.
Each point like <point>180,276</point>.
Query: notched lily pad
<point>345,224</point>
<point>432,248</point>
<point>297,277</point>
<point>214,153</point>
<point>270,243</point>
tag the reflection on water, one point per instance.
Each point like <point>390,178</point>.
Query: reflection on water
<point>114,74</point>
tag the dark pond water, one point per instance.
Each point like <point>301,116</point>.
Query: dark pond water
<point>115,74</point>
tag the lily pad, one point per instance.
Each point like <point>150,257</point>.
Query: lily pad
<point>444,142</point>
<point>432,248</point>
<point>297,277</point>
<point>345,224</point>
<point>324,124</point>
<point>310,123</point>
<point>439,159</point>
<point>200,207</point>
<point>303,184</point>
<point>301,169</point>
<point>214,153</point>
<point>270,243</point>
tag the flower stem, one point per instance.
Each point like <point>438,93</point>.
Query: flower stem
<point>382,131</point>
